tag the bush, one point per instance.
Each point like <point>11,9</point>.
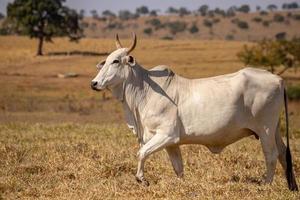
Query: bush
<point>263,12</point>
<point>194,29</point>
<point>257,19</point>
<point>242,25</point>
<point>155,23</point>
<point>266,23</point>
<point>85,24</point>
<point>278,18</point>
<point>176,27</point>
<point>235,20</point>
<point>293,92</point>
<point>148,31</point>
<point>296,17</point>
<point>216,20</point>
<point>229,37</point>
<point>272,54</point>
<point>207,23</point>
<point>115,25</point>
<point>280,36</point>
<point>167,37</point>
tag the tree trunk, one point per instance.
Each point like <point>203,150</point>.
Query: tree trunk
<point>40,46</point>
<point>272,69</point>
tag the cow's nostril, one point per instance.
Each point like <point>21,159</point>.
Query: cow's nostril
<point>93,84</point>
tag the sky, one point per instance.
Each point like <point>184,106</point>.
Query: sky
<point>162,5</point>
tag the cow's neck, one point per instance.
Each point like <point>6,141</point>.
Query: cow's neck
<point>135,88</point>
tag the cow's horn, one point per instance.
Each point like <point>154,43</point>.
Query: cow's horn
<point>133,44</point>
<point>118,43</point>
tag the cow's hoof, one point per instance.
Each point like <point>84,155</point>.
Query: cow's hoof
<point>142,181</point>
<point>180,175</point>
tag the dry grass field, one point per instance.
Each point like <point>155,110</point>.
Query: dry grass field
<point>61,140</point>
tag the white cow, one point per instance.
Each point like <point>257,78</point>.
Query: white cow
<point>166,110</point>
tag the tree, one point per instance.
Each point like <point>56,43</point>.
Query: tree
<point>272,54</point>
<point>293,5</point>
<point>272,7</point>
<point>125,15</point>
<point>148,31</point>
<point>94,14</point>
<point>183,11</point>
<point>231,11</point>
<point>244,8</point>
<point>172,10</point>
<point>43,20</point>
<point>153,13</point>
<point>219,11</point>
<point>194,29</point>
<point>81,14</point>
<point>1,16</point>
<point>108,14</point>
<point>143,10</point>
<point>203,10</point>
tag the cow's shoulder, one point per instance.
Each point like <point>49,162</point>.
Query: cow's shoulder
<point>161,71</point>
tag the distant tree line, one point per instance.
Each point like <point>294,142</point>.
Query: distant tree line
<point>203,10</point>
<point>68,22</point>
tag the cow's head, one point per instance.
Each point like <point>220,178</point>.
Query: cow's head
<point>113,71</point>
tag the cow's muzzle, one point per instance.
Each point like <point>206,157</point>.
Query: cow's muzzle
<point>94,85</point>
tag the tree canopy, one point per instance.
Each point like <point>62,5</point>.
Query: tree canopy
<point>44,20</point>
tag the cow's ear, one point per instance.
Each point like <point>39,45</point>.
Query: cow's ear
<point>100,64</point>
<point>130,61</point>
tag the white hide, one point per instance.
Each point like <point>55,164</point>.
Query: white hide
<point>166,110</point>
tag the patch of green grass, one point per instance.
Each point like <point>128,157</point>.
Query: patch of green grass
<point>293,92</point>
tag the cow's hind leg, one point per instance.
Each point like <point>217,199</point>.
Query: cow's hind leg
<point>176,159</point>
<point>270,152</point>
<point>156,143</point>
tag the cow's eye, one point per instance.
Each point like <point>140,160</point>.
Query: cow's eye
<point>115,61</point>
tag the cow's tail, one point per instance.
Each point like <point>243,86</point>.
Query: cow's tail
<point>289,166</point>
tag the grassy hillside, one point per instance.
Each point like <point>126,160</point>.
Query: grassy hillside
<point>228,28</point>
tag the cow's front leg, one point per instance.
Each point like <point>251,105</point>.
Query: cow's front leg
<point>176,159</point>
<point>156,143</point>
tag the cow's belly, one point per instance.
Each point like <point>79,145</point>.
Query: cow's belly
<point>216,141</point>
<point>214,124</point>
